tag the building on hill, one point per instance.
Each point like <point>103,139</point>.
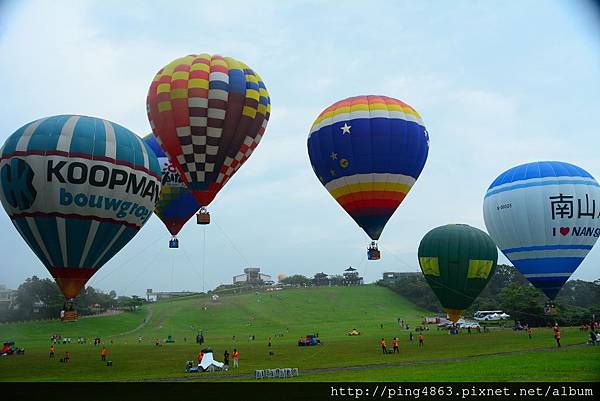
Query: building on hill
<point>7,298</point>
<point>157,296</point>
<point>252,275</point>
<point>351,277</point>
<point>391,277</point>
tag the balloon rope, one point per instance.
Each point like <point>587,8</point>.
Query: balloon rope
<point>203,256</point>
<point>190,262</point>
<point>97,280</point>
<point>136,278</point>
<point>399,259</point>
<point>233,245</point>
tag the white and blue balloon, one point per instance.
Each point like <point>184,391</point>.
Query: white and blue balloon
<point>545,217</point>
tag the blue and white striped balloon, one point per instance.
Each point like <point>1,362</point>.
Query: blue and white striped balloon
<point>545,217</point>
<point>77,189</point>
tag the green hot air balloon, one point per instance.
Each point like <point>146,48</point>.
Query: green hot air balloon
<point>458,261</point>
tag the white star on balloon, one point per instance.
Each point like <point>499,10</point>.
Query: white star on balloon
<point>346,128</point>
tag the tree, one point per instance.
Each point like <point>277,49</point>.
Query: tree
<point>297,279</point>
<point>320,279</point>
<point>523,302</point>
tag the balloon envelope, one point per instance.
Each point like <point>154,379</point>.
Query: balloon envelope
<point>368,151</point>
<point>208,113</point>
<point>545,217</point>
<point>77,189</point>
<point>457,261</point>
<point>176,204</point>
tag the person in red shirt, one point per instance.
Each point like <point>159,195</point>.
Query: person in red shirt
<point>103,353</point>
<point>236,355</point>
<point>557,337</point>
<point>200,356</point>
<point>383,345</point>
<point>52,351</point>
<point>395,345</point>
<point>421,338</point>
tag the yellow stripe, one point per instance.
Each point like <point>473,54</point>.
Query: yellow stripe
<point>200,67</point>
<point>373,186</point>
<point>164,106</point>
<point>180,93</point>
<point>180,75</point>
<point>218,62</point>
<point>364,107</point>
<point>163,88</point>
<point>249,112</point>
<point>198,83</point>
<point>479,268</point>
<point>233,64</point>
<point>429,266</point>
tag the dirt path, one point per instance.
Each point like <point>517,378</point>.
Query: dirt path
<point>372,366</point>
<point>144,323</point>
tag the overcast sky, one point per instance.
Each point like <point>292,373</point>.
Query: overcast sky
<point>497,83</point>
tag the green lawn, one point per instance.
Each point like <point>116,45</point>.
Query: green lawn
<point>286,315</point>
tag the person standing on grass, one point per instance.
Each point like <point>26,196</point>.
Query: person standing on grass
<point>67,356</point>
<point>270,341</point>
<point>236,355</point>
<point>103,353</point>
<point>529,332</point>
<point>421,338</point>
<point>410,336</point>
<point>52,351</point>
<point>383,345</point>
<point>557,337</point>
<point>226,358</point>
<point>395,345</point>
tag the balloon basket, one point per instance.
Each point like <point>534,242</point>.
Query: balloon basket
<point>69,316</point>
<point>550,309</point>
<point>173,243</point>
<point>203,217</point>
<point>372,252</point>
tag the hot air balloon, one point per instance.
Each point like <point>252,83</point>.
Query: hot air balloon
<point>208,114</point>
<point>77,189</point>
<point>368,151</point>
<point>545,217</point>
<point>176,204</point>
<point>458,261</point>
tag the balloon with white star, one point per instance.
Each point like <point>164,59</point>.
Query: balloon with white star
<point>368,152</point>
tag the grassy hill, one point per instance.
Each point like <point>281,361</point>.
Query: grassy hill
<point>285,316</point>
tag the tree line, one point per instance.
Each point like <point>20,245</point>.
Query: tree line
<point>41,299</point>
<point>577,303</point>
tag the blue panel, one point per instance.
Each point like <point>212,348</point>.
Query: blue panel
<point>547,265</point>
<point>30,239</point>
<point>77,232</point>
<point>46,135</point>
<point>125,151</point>
<point>237,81</point>
<point>99,138</point>
<point>46,226</point>
<point>539,170</point>
<point>83,136</point>
<point>219,85</point>
<point>104,234</point>
<point>123,239</point>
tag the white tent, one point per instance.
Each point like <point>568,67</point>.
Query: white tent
<point>209,363</point>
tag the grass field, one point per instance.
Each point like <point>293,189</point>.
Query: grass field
<point>501,355</point>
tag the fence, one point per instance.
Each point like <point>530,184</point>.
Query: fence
<point>276,373</point>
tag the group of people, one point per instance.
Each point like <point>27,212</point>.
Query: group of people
<point>236,357</point>
<point>395,342</point>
